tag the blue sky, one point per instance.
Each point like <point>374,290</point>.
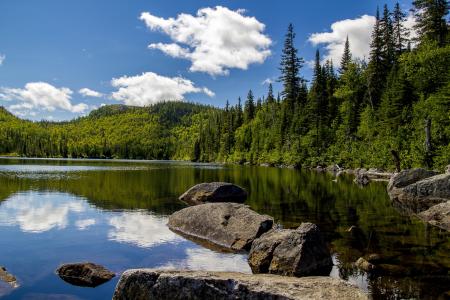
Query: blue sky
<point>54,48</point>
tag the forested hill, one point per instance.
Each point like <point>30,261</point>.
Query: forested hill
<point>113,131</point>
<point>391,111</point>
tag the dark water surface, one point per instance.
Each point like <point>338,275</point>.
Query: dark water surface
<point>115,212</point>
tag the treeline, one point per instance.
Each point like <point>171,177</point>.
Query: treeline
<point>391,111</point>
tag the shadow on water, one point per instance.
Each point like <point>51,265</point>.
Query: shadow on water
<point>418,253</point>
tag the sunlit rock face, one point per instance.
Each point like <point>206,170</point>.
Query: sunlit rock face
<point>40,212</point>
<point>141,229</point>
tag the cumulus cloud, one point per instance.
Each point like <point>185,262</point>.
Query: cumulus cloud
<point>37,213</point>
<point>141,229</point>
<point>84,224</point>
<point>2,59</point>
<point>150,88</point>
<point>41,95</point>
<point>215,40</point>
<point>204,259</point>
<point>359,33</point>
<point>85,92</point>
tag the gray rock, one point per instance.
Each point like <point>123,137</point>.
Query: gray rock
<point>437,215</point>
<point>424,194</point>
<point>195,285</point>
<point>407,177</point>
<point>447,169</point>
<point>84,274</point>
<point>214,192</point>
<point>362,179</point>
<point>230,225</point>
<point>299,252</point>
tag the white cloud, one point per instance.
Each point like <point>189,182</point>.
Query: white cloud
<point>85,92</point>
<point>37,213</point>
<point>2,59</point>
<point>267,81</point>
<point>359,33</point>
<point>41,95</point>
<point>207,260</point>
<point>141,229</point>
<point>84,224</point>
<point>150,88</point>
<point>215,40</point>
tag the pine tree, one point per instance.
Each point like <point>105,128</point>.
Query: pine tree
<point>376,69</point>
<point>249,109</point>
<point>399,32</point>
<point>346,57</point>
<point>290,67</point>
<point>431,20</point>
<point>239,118</point>
<point>270,97</point>
<point>388,40</point>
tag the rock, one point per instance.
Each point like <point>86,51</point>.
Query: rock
<point>196,285</point>
<point>407,177</point>
<point>84,274</point>
<point>437,215</point>
<point>214,192</point>
<point>447,169</point>
<point>362,179</point>
<point>230,225</point>
<point>374,258</point>
<point>8,278</point>
<point>364,265</point>
<point>299,252</point>
<point>422,194</point>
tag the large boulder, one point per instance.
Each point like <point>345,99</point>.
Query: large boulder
<point>418,190</point>
<point>423,193</point>
<point>299,252</point>
<point>230,225</point>
<point>214,192</point>
<point>193,285</point>
<point>84,274</point>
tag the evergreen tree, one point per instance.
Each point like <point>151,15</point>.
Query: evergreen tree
<point>376,68</point>
<point>346,57</point>
<point>239,118</point>
<point>400,33</point>
<point>290,69</point>
<point>386,28</point>
<point>431,20</point>
<point>270,97</point>
<point>249,109</point>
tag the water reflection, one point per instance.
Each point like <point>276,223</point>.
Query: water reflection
<point>207,260</point>
<point>141,229</point>
<point>38,212</point>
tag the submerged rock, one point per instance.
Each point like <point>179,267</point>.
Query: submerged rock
<point>364,265</point>
<point>299,252</point>
<point>193,285</point>
<point>437,215</point>
<point>362,179</point>
<point>84,274</point>
<point>8,278</point>
<point>214,192</point>
<point>230,225</point>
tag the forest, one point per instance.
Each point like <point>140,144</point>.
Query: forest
<point>390,111</point>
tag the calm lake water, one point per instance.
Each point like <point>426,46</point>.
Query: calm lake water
<point>115,212</point>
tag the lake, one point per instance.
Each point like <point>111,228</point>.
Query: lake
<point>114,213</point>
